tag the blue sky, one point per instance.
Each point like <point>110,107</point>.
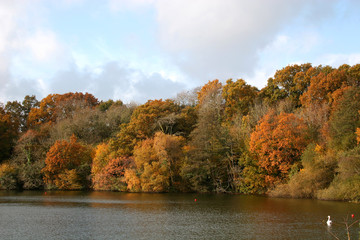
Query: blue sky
<point>136,50</point>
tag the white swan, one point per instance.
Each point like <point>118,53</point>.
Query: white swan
<point>329,222</point>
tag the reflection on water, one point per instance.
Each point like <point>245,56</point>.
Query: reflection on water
<point>110,215</point>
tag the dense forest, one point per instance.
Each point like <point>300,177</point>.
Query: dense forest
<point>297,137</point>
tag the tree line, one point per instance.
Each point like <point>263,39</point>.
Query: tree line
<point>296,137</point>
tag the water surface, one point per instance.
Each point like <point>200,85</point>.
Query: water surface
<point>110,215</point>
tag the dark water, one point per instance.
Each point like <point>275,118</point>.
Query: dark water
<point>109,215</point>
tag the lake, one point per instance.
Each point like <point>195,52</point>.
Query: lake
<point>112,215</point>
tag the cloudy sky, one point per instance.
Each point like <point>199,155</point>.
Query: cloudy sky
<point>135,50</point>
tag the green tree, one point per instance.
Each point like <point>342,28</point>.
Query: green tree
<point>8,134</point>
<point>345,120</point>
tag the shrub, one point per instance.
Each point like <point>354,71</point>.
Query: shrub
<point>346,185</point>
<point>113,175</point>
<point>30,176</point>
<point>8,177</point>
<point>316,174</point>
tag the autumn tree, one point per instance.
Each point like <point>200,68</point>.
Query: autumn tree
<point>112,175</point>
<point>238,96</point>
<point>56,106</point>
<point>293,80</point>
<point>290,82</point>
<point>329,85</point>
<point>101,158</point>
<point>278,142</point>
<point>205,167</point>
<point>108,171</point>
<point>169,150</point>
<point>211,88</point>
<point>144,122</point>
<point>67,165</point>
<point>158,162</point>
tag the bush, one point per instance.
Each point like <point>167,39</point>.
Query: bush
<point>346,185</point>
<point>8,177</point>
<point>316,174</point>
<point>67,165</point>
<point>31,177</point>
<point>345,190</point>
<point>113,175</point>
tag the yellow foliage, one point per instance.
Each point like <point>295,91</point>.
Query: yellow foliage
<point>8,176</point>
<point>6,168</point>
<point>101,158</point>
<point>318,148</point>
<point>132,180</point>
<point>68,180</point>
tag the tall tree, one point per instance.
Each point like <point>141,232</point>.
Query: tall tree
<point>345,120</point>
<point>20,111</point>
<point>206,167</point>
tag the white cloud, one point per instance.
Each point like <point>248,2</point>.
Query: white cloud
<point>27,49</point>
<point>116,81</point>
<point>220,39</point>
<point>200,40</point>
<point>43,45</point>
<point>9,10</point>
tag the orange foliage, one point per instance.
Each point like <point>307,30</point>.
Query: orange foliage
<point>212,87</point>
<point>142,125</point>
<point>112,177</point>
<point>293,79</point>
<point>278,142</point>
<point>327,87</point>
<point>61,157</point>
<point>132,180</point>
<point>59,105</point>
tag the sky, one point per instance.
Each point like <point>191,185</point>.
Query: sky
<point>137,50</point>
